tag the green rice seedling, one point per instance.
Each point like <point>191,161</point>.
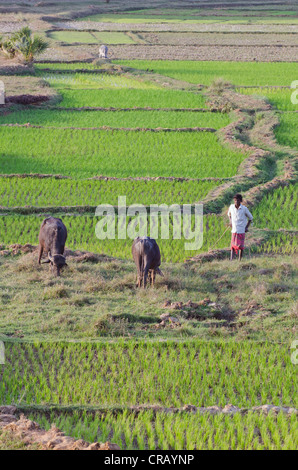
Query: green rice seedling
<point>82,236</point>
<point>130,98</point>
<point>82,37</point>
<point>85,81</point>
<point>129,119</point>
<point>278,209</point>
<point>50,192</point>
<point>279,98</point>
<point>113,374</point>
<point>86,153</point>
<point>163,431</point>
<point>71,37</point>
<point>286,132</point>
<point>239,73</point>
<point>279,242</point>
<point>195,17</point>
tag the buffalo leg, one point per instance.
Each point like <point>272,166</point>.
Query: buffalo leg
<point>145,275</point>
<point>152,277</point>
<point>40,252</point>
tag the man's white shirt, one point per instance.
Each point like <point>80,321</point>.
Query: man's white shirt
<point>239,218</point>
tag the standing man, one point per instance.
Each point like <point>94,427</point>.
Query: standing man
<point>240,220</point>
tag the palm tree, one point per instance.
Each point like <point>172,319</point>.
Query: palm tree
<point>7,47</point>
<point>27,44</point>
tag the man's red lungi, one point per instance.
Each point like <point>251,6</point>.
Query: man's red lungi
<point>237,242</point>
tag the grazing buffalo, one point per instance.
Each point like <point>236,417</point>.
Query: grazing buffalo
<point>146,255</point>
<point>52,238</point>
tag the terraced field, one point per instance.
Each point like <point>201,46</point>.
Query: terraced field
<point>132,374</point>
<point>128,119</point>
<point>284,200</point>
<point>286,133</point>
<point>26,228</point>
<point>58,151</point>
<point>84,351</point>
<point>19,192</point>
<point>53,149</point>
<point>176,432</point>
<point>248,73</point>
<point>130,99</point>
<point>279,98</point>
<point>207,371</point>
<point>90,38</point>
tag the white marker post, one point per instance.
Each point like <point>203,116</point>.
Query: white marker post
<point>294,95</point>
<point>2,93</point>
<point>2,353</point>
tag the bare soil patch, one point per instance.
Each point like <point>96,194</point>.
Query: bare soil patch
<point>178,27</point>
<point>30,433</point>
<point>220,39</point>
<point>26,90</point>
<point>179,52</point>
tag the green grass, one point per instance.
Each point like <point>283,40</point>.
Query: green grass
<point>168,373</point>
<point>286,133</point>
<point>8,441</point>
<point>205,72</point>
<point>278,209</point>
<point>71,37</point>
<point>85,153</point>
<point>98,300</point>
<point>20,192</point>
<point>148,119</point>
<point>147,431</point>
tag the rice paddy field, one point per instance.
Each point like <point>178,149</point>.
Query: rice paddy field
<point>204,16</point>
<point>17,192</point>
<point>130,99</point>
<point>279,98</point>
<point>95,81</point>
<point>87,153</point>
<point>247,73</point>
<point>176,432</point>
<point>286,133</point>
<point>90,38</point>
<point>207,371</point>
<point>130,119</point>
<point>284,201</point>
<point>85,349</point>
<point>132,374</point>
<point>84,235</point>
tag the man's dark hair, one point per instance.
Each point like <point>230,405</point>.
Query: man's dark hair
<point>238,196</point>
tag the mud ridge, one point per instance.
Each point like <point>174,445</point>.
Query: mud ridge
<point>114,178</point>
<point>109,109</point>
<point>125,129</point>
<point>30,432</point>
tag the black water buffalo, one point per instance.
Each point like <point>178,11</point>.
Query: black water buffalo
<point>146,255</point>
<point>52,238</point>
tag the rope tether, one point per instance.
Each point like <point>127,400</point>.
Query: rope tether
<point>210,249</point>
